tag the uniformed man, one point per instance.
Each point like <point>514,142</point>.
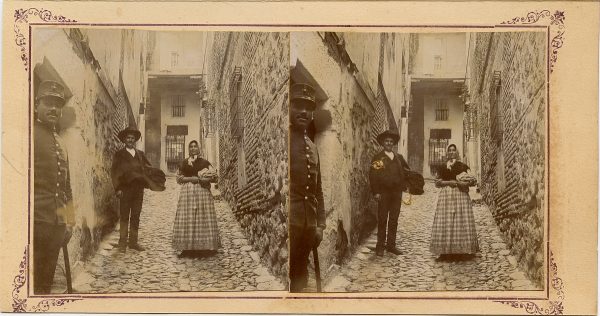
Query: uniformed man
<point>387,177</point>
<point>53,215</point>
<point>307,211</point>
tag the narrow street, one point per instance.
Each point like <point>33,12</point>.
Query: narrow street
<point>493,268</point>
<point>236,267</point>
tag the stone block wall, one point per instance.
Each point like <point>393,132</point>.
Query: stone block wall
<point>259,200</point>
<point>513,171</point>
<point>98,109</point>
<point>356,113</point>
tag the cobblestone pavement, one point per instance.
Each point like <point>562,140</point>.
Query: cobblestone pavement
<point>235,267</point>
<point>493,268</point>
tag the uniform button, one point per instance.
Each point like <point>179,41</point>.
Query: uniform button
<point>56,194</point>
<point>57,153</point>
<point>308,166</point>
<point>59,173</point>
<point>309,176</point>
<point>306,197</point>
<point>307,187</point>
<point>307,156</point>
<point>58,163</point>
<point>307,148</point>
<point>57,184</point>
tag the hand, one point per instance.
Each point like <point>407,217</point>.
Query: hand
<point>68,234</point>
<point>463,186</point>
<point>195,180</point>
<point>439,183</point>
<point>377,196</point>
<point>318,236</point>
<point>452,183</point>
<point>119,193</point>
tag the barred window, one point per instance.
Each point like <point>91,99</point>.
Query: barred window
<point>437,62</point>
<point>235,93</point>
<point>177,106</point>
<point>175,145</point>
<point>496,124</point>
<point>441,110</point>
<point>174,59</point>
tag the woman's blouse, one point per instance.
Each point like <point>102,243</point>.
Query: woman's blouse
<point>187,170</point>
<point>450,174</point>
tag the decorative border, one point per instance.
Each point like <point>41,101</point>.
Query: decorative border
<point>21,17</point>
<point>555,306</point>
<point>557,20</point>
<point>20,304</point>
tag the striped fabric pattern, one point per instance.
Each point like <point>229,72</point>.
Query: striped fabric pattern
<point>195,226</point>
<point>453,230</point>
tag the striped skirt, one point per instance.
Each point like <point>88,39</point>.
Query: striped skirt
<point>453,230</point>
<point>195,226</point>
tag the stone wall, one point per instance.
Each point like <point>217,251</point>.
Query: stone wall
<point>513,168</point>
<point>353,109</point>
<point>253,175</point>
<point>100,106</point>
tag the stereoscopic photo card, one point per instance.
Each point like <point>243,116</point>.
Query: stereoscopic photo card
<point>397,157</point>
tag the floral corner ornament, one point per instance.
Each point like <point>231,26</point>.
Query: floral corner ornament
<point>554,307</point>
<point>557,21</point>
<point>20,305</point>
<point>22,17</point>
<point>377,165</point>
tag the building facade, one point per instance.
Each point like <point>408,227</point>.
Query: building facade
<point>506,102</point>
<point>247,106</point>
<point>103,72</point>
<point>173,109</point>
<point>436,115</point>
<point>362,90</point>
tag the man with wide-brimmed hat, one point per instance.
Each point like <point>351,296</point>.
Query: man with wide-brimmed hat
<point>53,214</point>
<point>307,210</point>
<point>128,180</point>
<point>387,177</point>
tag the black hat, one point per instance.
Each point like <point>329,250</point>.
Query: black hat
<point>303,91</point>
<point>50,88</point>
<point>129,130</point>
<point>389,133</point>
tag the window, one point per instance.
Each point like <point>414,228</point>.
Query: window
<point>438,141</point>
<point>174,59</point>
<point>177,106</point>
<point>496,125</point>
<point>237,123</point>
<point>437,62</point>
<point>441,110</point>
<point>235,93</point>
<point>175,146</point>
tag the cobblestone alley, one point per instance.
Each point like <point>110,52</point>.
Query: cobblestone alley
<point>493,268</point>
<point>236,267</point>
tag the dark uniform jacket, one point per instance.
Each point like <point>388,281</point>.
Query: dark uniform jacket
<point>387,175</point>
<point>306,194</point>
<point>52,196</point>
<point>128,170</point>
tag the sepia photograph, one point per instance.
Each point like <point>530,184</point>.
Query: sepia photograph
<point>300,157</point>
<point>160,161</point>
<point>426,161</point>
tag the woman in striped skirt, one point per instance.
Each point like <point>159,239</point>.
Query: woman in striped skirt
<point>453,233</point>
<point>195,229</point>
